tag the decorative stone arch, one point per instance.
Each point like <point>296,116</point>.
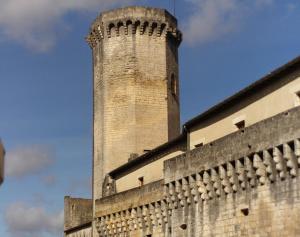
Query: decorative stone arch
<point>144,27</point>
<point>163,29</point>
<point>111,29</point>
<point>120,28</point>
<point>136,27</point>
<point>153,28</point>
<point>129,27</point>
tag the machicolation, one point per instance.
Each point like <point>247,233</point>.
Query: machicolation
<point>148,23</point>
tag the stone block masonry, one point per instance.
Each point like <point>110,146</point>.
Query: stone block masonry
<point>136,95</point>
<point>245,184</point>
<point>135,63</point>
<point>78,213</point>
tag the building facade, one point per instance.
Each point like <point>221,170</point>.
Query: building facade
<point>232,171</point>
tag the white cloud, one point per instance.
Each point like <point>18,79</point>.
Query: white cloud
<point>25,221</point>
<point>29,160</point>
<point>36,23</point>
<point>212,19</point>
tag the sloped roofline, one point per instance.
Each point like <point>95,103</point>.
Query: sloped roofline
<point>267,80</point>
<point>252,88</point>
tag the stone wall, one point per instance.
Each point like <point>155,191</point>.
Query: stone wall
<point>254,107</point>
<point>133,212</point>
<point>133,64</point>
<point>245,184</point>
<point>78,213</point>
<point>85,231</point>
<point>149,166</point>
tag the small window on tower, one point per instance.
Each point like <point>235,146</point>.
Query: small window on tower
<point>173,85</point>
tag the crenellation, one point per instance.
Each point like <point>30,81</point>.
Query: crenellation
<point>250,185</point>
<point>127,27</point>
<point>216,178</point>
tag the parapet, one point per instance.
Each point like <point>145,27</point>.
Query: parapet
<point>78,212</point>
<point>252,174</point>
<point>134,20</point>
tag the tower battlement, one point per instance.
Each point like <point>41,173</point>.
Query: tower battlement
<point>128,21</point>
<point>136,86</point>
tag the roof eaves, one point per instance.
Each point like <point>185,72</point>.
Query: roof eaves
<point>266,80</point>
<point>141,159</point>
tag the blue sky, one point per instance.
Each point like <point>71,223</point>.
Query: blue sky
<point>46,88</point>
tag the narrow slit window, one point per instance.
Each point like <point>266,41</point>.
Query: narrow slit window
<point>173,85</point>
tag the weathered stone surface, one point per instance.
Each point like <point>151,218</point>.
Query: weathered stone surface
<point>261,136</point>
<point>135,109</point>
<point>243,184</point>
<point>78,212</point>
<point>228,190</point>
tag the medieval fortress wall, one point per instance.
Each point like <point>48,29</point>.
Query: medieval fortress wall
<point>245,184</point>
<point>233,170</point>
<point>275,99</point>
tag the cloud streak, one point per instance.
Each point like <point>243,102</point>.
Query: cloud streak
<point>28,160</point>
<point>27,221</point>
<point>37,23</point>
<point>212,19</point>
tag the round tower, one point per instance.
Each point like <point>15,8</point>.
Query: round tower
<point>136,87</point>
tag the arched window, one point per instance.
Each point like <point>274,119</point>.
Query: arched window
<point>173,85</point>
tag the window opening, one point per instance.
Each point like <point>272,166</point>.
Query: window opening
<point>199,145</point>
<point>141,180</point>
<point>240,125</point>
<point>173,85</point>
<point>298,98</point>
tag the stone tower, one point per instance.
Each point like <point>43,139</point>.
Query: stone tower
<point>136,93</point>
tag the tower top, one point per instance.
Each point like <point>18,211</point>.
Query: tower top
<point>138,12</point>
<point>152,21</point>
